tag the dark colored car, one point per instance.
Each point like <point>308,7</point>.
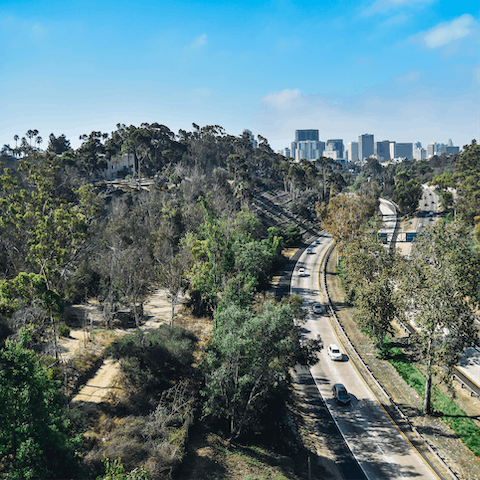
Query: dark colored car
<point>340,394</point>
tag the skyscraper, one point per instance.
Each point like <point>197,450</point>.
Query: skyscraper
<point>401,150</point>
<point>365,146</point>
<point>306,145</point>
<point>382,150</point>
<point>303,135</point>
<point>353,152</point>
<point>336,145</point>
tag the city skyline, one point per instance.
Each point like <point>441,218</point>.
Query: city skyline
<point>74,67</point>
<point>309,146</point>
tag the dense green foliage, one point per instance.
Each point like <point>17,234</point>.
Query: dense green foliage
<point>464,180</point>
<point>249,358</point>
<point>440,289</point>
<point>151,361</point>
<point>34,436</point>
<point>369,277</point>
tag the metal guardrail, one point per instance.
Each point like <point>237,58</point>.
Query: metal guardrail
<point>397,409</point>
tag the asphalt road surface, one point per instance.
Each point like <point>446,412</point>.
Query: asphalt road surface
<point>380,449</point>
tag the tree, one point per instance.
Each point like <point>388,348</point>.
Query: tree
<point>369,271</point>
<point>171,273</point>
<point>465,180</point>
<point>34,437</point>
<point>346,215</point>
<point>249,357</point>
<point>407,193</point>
<point>440,287</point>
<point>58,145</point>
<point>91,152</point>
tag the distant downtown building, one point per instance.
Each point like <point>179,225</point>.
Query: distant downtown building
<point>306,145</point>
<point>419,153</point>
<point>303,135</point>
<point>352,152</point>
<point>335,145</point>
<point>439,148</point>
<point>248,133</point>
<point>382,150</point>
<point>365,146</point>
<point>401,150</point>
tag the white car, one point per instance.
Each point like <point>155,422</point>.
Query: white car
<point>317,308</point>
<point>302,272</point>
<point>334,352</point>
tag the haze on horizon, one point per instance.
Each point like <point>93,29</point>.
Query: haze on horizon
<point>404,70</point>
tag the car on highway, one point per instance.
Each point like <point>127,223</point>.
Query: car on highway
<point>340,394</point>
<point>310,250</point>
<point>317,309</point>
<point>302,272</point>
<point>334,352</point>
<point>317,241</point>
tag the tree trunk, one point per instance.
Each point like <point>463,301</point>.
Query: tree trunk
<point>427,408</point>
<point>174,302</point>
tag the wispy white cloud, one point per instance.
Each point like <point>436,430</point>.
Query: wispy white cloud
<point>35,30</point>
<point>282,100</point>
<point>199,41</point>
<point>445,33</point>
<point>381,6</point>
<point>410,77</point>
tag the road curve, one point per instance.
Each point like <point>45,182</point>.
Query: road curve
<point>379,447</point>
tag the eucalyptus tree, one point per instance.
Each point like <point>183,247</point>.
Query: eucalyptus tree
<point>346,215</point>
<point>249,358</point>
<point>370,282</point>
<point>440,288</point>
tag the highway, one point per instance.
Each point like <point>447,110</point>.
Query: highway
<point>379,447</point>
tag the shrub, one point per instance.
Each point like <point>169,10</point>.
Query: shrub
<point>151,361</point>
<point>63,330</point>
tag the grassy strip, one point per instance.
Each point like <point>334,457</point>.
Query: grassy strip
<point>451,414</point>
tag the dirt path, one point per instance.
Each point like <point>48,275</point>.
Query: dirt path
<point>157,310</point>
<point>97,389</point>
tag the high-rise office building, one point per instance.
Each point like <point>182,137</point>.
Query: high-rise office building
<point>365,146</point>
<point>306,145</point>
<point>248,133</point>
<point>308,149</point>
<point>352,149</point>
<point>335,145</point>
<point>450,150</point>
<point>382,150</point>
<point>304,135</point>
<point>419,154</point>
<point>401,150</point>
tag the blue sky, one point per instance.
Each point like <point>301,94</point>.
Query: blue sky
<point>404,70</point>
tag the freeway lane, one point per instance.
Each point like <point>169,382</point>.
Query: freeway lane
<point>381,450</point>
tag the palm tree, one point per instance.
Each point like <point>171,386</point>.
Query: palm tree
<point>39,140</point>
<point>30,135</point>
<point>16,137</point>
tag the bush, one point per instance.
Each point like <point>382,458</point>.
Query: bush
<point>63,330</point>
<point>151,361</point>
